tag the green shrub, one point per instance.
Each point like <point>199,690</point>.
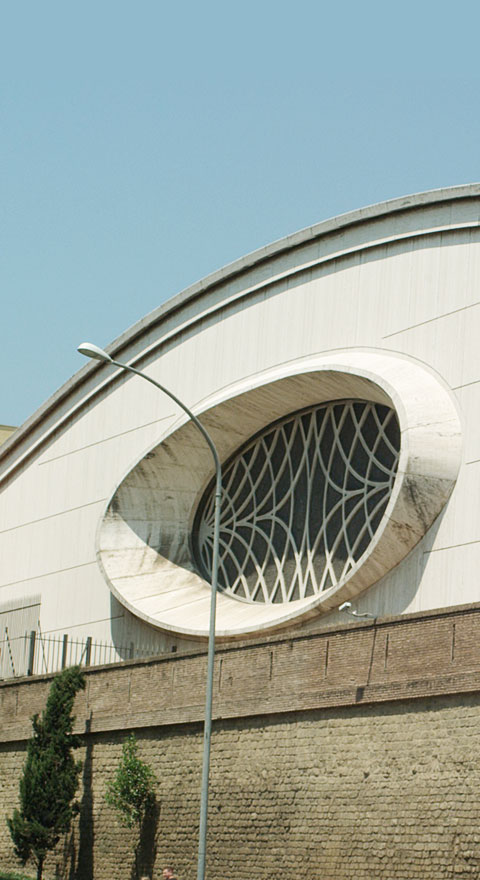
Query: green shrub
<point>131,791</point>
<point>7,875</point>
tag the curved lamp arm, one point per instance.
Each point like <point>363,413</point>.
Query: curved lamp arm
<point>93,351</point>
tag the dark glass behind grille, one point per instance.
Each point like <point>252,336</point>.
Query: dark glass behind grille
<point>301,502</point>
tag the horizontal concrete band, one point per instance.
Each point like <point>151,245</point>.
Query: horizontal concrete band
<point>402,658</point>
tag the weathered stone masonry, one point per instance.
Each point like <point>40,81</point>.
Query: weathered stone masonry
<point>347,753</point>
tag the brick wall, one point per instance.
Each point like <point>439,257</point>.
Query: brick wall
<point>351,753</point>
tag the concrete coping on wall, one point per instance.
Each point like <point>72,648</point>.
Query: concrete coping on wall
<point>286,636</point>
<point>408,657</point>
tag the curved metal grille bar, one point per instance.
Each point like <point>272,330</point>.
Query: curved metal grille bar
<point>301,502</point>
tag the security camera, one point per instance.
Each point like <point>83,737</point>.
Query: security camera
<point>347,606</point>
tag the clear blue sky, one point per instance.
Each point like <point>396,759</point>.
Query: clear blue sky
<point>146,144</point>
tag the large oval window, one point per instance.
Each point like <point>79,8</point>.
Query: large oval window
<point>301,502</point>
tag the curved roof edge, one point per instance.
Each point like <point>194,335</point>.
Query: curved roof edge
<point>237,267</point>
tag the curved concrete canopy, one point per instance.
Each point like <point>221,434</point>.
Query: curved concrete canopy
<point>143,539</point>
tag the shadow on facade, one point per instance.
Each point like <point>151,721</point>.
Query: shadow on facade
<point>146,850</point>
<point>86,831</point>
<point>134,639</point>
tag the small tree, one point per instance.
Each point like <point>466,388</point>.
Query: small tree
<point>50,775</point>
<point>131,791</point>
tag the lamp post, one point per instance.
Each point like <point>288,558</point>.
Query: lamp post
<point>93,351</point>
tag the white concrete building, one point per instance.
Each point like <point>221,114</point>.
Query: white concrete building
<point>338,372</point>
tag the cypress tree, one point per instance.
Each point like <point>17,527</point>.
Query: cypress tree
<point>50,775</point>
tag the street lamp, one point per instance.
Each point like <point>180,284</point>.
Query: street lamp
<point>93,351</point>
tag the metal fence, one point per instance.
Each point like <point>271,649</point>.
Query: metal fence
<point>36,654</point>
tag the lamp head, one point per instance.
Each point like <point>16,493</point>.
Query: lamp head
<point>93,351</point>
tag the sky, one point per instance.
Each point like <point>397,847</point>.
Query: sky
<point>144,145</point>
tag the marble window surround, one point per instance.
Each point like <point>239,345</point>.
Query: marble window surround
<point>143,539</point>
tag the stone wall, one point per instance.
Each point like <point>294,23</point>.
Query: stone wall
<point>346,755</point>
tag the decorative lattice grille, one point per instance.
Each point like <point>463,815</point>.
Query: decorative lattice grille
<point>301,502</point>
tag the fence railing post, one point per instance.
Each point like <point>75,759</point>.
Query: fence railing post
<point>31,652</point>
<point>64,650</point>
<point>59,652</point>
<point>12,664</point>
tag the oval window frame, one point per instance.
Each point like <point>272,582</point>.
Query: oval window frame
<point>142,540</point>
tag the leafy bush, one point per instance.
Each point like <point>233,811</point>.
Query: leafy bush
<point>8,875</point>
<point>131,791</point>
